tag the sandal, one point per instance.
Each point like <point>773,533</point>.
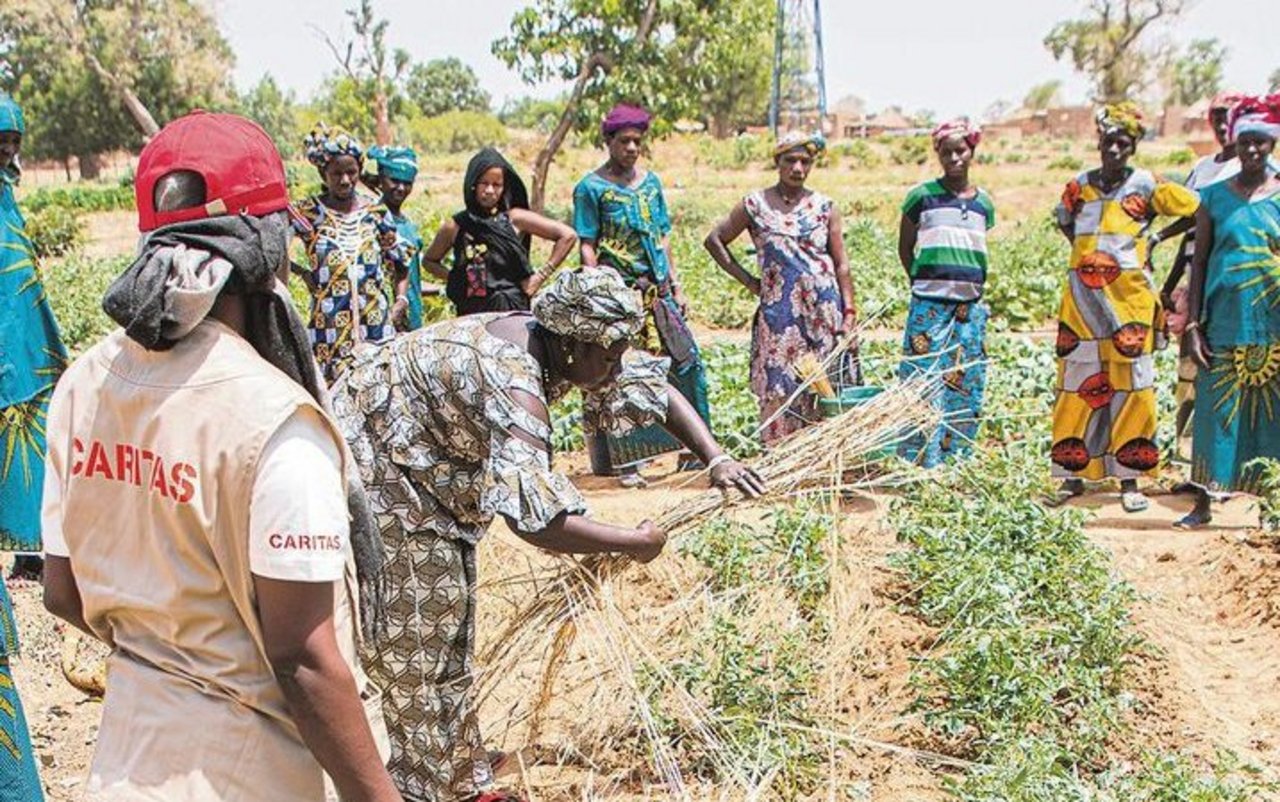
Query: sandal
<point>632,480</point>
<point>1134,501</point>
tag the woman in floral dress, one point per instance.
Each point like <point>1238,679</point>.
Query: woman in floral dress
<point>805,290</point>
<point>355,257</point>
<point>449,428</point>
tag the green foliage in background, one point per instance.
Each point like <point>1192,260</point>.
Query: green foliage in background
<point>55,230</point>
<point>455,132</point>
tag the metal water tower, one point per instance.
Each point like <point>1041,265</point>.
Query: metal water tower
<point>799,98</point>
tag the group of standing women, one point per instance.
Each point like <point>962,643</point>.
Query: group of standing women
<point>1112,318</point>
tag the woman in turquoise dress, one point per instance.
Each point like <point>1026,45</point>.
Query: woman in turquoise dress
<point>1234,308</point>
<point>397,170</point>
<point>942,244</point>
<point>620,215</point>
<point>31,357</point>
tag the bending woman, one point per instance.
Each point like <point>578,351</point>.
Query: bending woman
<point>1111,320</point>
<point>942,244</point>
<point>1234,329</point>
<point>490,241</point>
<point>449,428</point>
<point>805,291</point>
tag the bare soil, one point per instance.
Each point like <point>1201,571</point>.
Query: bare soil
<point>1210,607</point>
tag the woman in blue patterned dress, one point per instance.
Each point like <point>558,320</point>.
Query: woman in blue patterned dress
<point>31,357</point>
<point>620,216</point>
<point>1234,329</point>
<point>942,244</point>
<point>805,290</point>
<point>354,257</point>
<point>397,170</point>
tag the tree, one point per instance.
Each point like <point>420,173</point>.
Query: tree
<point>727,52</point>
<point>445,84</point>
<point>531,113</point>
<point>275,110</point>
<point>102,74</point>
<point>1106,44</point>
<point>1273,83</point>
<point>1042,96</point>
<point>373,67</point>
<point>578,41</point>
<point>1197,71</point>
<point>664,45</point>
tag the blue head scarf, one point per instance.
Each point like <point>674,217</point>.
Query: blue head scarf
<point>11,118</point>
<point>396,163</point>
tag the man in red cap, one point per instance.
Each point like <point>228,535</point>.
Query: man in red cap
<point>195,514</point>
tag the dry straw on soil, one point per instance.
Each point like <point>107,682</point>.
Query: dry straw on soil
<point>587,639</point>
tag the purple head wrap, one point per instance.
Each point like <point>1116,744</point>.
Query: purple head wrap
<point>623,116</point>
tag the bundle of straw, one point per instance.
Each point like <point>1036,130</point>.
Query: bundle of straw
<point>832,456</point>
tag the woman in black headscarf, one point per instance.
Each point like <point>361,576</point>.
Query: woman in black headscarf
<point>490,241</point>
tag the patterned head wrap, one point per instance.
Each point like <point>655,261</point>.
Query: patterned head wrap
<point>1255,115</point>
<point>1224,101</point>
<point>812,143</point>
<point>1124,117</point>
<point>323,146</point>
<point>961,127</point>
<point>396,163</point>
<point>590,305</point>
<point>11,118</point>
<point>624,115</point>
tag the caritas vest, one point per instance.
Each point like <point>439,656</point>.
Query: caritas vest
<point>157,454</point>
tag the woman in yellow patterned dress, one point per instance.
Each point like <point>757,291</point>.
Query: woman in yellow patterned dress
<point>1111,320</point>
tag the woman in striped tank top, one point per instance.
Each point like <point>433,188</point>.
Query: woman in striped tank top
<point>942,243</point>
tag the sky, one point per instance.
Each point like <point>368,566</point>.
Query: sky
<point>951,58</point>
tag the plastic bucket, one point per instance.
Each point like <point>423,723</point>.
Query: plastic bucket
<point>849,398</point>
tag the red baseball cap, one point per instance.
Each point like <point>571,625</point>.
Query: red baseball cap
<point>241,167</point>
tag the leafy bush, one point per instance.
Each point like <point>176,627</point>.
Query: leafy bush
<point>714,297</point>
<point>457,132</point>
<point>1180,157</point>
<point>740,151</point>
<point>857,151</point>
<point>910,150</point>
<point>55,230</point>
<point>75,286</point>
<point>81,197</point>
<point>1066,162</point>
<point>1028,264</point>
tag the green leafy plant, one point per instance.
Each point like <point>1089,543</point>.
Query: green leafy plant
<point>55,230</point>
